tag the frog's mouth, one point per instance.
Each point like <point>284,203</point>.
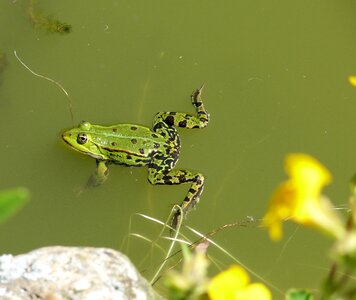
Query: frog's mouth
<point>66,137</point>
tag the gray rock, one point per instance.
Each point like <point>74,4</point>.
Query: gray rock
<point>69,273</point>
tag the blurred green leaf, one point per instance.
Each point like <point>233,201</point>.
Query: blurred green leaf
<point>299,295</point>
<point>11,202</point>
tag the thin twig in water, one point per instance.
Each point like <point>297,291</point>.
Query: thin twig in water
<point>51,80</point>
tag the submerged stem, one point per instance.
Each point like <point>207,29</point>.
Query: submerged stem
<point>70,106</point>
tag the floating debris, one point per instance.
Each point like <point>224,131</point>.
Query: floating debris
<point>46,22</point>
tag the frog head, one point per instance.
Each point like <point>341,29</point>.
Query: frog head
<point>79,138</point>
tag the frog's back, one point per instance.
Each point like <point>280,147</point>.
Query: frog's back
<point>128,144</point>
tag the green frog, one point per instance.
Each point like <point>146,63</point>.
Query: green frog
<point>135,145</point>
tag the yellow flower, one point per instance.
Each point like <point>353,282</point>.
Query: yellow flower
<point>233,284</point>
<point>352,80</point>
<point>299,198</point>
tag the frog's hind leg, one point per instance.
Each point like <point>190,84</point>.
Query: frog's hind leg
<point>178,176</point>
<point>200,120</point>
<point>100,174</point>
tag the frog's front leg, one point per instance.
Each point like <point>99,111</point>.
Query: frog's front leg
<point>178,176</point>
<point>99,175</point>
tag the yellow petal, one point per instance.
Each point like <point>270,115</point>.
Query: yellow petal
<point>308,177</point>
<point>306,170</point>
<point>299,198</point>
<point>352,80</point>
<point>281,207</point>
<point>225,284</point>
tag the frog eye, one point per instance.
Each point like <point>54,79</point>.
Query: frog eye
<point>82,138</point>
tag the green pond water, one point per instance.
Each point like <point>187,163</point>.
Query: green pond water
<point>275,75</point>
